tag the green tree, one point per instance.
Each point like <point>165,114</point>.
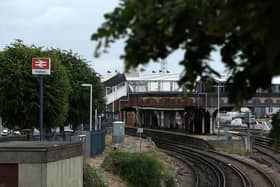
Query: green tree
<point>247,33</point>
<point>79,72</point>
<point>19,89</point>
<point>275,131</point>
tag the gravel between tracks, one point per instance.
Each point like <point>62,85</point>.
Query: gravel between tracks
<point>267,157</point>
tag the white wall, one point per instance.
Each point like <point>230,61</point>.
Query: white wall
<point>141,86</point>
<point>271,110</point>
<point>117,93</point>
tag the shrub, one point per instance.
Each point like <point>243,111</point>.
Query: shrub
<point>275,131</point>
<point>169,180</point>
<point>137,169</point>
<point>90,177</point>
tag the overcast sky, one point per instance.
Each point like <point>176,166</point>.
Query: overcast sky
<point>67,24</point>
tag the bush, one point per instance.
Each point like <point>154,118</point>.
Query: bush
<point>90,177</point>
<point>137,169</point>
<point>169,180</point>
<point>275,131</point>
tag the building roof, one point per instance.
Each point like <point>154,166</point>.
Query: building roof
<point>114,80</point>
<point>159,76</point>
<point>105,77</point>
<point>154,76</point>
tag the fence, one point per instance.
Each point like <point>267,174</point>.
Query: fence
<point>96,145</point>
<point>94,142</point>
<point>97,142</point>
<point>54,137</point>
<point>13,138</point>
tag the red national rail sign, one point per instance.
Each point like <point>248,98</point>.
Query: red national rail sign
<point>41,66</point>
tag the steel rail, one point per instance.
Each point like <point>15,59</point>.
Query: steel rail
<point>218,173</point>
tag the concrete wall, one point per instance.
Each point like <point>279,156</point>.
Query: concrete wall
<point>83,136</point>
<point>32,175</point>
<point>62,173</point>
<point>65,173</point>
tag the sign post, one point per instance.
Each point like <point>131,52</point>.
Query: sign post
<point>248,121</point>
<point>140,132</point>
<point>41,66</point>
<point>41,107</point>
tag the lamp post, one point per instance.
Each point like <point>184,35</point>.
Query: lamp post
<point>113,105</point>
<point>113,102</point>
<point>248,147</point>
<point>198,94</point>
<point>95,119</point>
<point>218,114</point>
<point>219,108</point>
<point>90,109</point>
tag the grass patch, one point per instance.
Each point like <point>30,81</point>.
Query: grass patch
<point>138,169</point>
<point>90,177</point>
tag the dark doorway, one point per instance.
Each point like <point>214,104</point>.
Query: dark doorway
<point>9,175</point>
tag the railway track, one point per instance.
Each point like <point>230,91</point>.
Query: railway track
<point>195,175</point>
<point>264,142</point>
<point>258,139</point>
<point>175,136</point>
<point>264,152</point>
<point>210,171</point>
<point>225,170</point>
<point>236,171</point>
<point>257,176</point>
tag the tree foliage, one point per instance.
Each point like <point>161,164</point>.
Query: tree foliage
<point>247,33</point>
<point>19,89</point>
<point>65,101</point>
<point>275,131</point>
<point>79,72</point>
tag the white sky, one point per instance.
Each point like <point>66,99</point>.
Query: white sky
<point>68,24</point>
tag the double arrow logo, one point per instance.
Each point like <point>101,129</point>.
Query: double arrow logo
<point>41,66</point>
<point>40,63</point>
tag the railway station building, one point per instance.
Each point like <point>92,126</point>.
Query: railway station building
<point>155,100</point>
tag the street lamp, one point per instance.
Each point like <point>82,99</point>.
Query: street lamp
<point>219,108</point>
<point>248,117</point>
<point>90,109</point>
<point>218,114</point>
<point>113,103</point>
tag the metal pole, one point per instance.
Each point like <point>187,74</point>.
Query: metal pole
<point>99,122</point>
<point>248,134</point>
<point>96,120</point>
<point>140,135</point>
<point>113,104</point>
<point>90,110</point>
<point>218,116</point>
<point>205,111</point>
<point>120,113</point>
<point>41,108</point>
<point>206,103</point>
<point>1,126</point>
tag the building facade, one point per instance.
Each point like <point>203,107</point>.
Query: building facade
<point>157,101</point>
